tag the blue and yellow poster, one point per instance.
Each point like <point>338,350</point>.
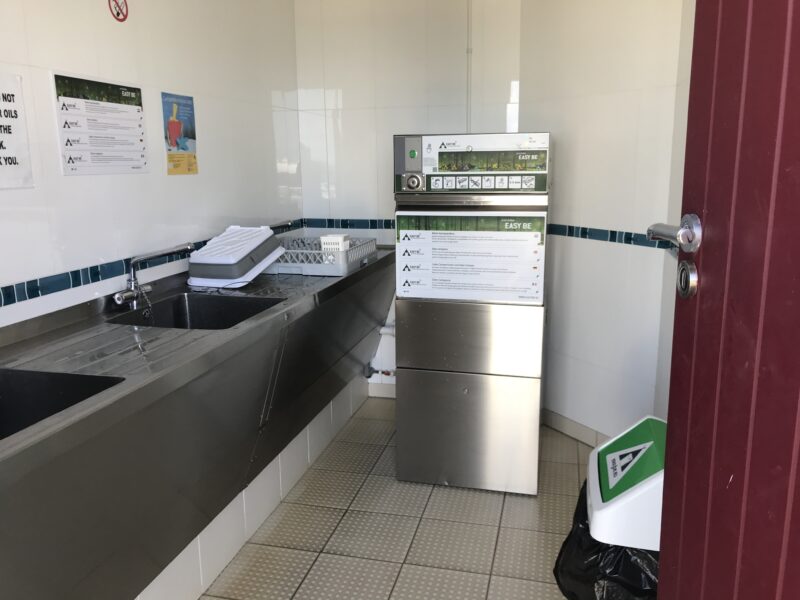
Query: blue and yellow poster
<point>180,135</point>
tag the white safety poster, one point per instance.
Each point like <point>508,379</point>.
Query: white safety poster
<point>477,256</point>
<point>15,158</point>
<point>101,127</point>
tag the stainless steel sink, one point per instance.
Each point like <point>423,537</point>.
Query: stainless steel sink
<point>197,311</point>
<point>27,397</point>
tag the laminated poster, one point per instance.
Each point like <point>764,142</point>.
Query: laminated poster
<point>475,256</point>
<point>15,158</point>
<point>100,127</point>
<point>180,135</point>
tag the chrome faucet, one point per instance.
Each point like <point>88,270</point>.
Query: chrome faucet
<point>135,289</point>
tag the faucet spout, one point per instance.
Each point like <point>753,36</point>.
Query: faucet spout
<point>135,289</point>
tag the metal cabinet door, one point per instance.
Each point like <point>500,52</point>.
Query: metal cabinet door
<point>500,339</point>
<point>468,430</point>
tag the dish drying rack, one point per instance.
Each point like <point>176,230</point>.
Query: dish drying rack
<point>305,256</point>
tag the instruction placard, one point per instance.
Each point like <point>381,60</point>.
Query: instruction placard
<point>15,158</point>
<point>180,135</point>
<point>101,127</point>
<point>477,256</point>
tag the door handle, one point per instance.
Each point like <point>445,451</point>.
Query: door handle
<point>686,236</point>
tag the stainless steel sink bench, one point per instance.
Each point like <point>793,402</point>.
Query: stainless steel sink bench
<point>27,397</point>
<point>96,499</point>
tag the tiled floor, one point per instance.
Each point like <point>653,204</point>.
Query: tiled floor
<point>350,530</point>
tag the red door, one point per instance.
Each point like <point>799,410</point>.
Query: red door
<point>731,517</point>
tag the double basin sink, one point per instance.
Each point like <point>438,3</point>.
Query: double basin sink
<point>27,397</point>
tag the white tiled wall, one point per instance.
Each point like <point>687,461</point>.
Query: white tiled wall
<point>495,68</point>
<point>370,69</point>
<point>320,433</point>
<point>182,580</point>
<point>603,79</point>
<point>237,60</point>
<point>262,496</point>
<point>293,462</point>
<point>196,567</point>
<point>602,337</point>
<point>221,540</point>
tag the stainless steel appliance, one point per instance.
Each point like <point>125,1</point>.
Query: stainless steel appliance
<point>471,222</point>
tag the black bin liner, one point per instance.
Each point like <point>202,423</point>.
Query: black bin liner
<point>590,570</point>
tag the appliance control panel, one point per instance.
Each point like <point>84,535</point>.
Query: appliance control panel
<point>474,164</point>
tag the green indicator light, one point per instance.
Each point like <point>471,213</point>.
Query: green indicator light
<point>412,154</point>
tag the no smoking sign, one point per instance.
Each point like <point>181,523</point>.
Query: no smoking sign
<point>119,9</point>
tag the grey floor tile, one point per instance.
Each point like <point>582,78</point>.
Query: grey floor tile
<point>558,448</point>
<point>558,478</point>
<point>373,535</point>
<point>427,583</point>
<point>527,554</point>
<point>263,573</point>
<point>392,440</point>
<point>367,431</point>
<point>546,512</point>
<point>377,408</point>
<point>348,456</point>
<point>505,588</point>
<point>338,577</point>
<point>450,545</point>
<point>387,495</point>
<point>465,505</point>
<point>386,463</point>
<point>298,526</point>
<point>334,489</point>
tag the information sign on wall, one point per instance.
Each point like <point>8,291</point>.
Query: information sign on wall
<point>101,127</point>
<point>15,159</point>
<point>180,135</point>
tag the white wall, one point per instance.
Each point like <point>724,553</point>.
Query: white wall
<point>603,79</point>
<point>369,69</point>
<point>494,71</point>
<point>236,59</point>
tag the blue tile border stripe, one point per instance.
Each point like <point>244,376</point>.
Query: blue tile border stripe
<point>606,235</point>
<point>34,288</point>
<point>348,223</point>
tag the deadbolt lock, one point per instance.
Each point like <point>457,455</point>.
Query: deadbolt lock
<point>687,279</point>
